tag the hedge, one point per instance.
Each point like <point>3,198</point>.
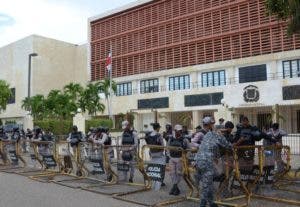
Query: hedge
<point>57,127</point>
<point>98,122</point>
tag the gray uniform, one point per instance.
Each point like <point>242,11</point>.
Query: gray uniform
<point>209,150</point>
<point>130,143</point>
<point>175,163</point>
<point>157,156</point>
<point>273,156</point>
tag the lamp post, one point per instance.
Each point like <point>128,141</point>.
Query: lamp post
<point>29,71</point>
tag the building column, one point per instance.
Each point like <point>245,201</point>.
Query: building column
<point>79,121</point>
<point>196,119</point>
<point>28,122</point>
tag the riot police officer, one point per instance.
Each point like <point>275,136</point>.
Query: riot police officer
<point>176,165</point>
<point>102,137</point>
<point>129,142</point>
<point>246,135</point>
<point>208,152</point>
<point>157,155</point>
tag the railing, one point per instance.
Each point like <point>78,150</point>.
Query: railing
<point>198,84</point>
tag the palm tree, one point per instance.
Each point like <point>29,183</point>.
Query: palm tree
<point>90,100</point>
<point>74,90</point>
<point>36,106</point>
<point>5,94</point>
<point>104,87</point>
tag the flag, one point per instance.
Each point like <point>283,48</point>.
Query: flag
<point>108,63</point>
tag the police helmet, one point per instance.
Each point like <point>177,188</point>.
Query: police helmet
<point>74,128</point>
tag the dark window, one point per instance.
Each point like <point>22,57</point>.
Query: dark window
<point>124,89</point>
<point>291,92</point>
<point>298,121</point>
<point>12,99</point>
<point>179,82</point>
<point>291,68</point>
<point>203,99</point>
<point>253,73</point>
<point>216,78</point>
<point>153,103</point>
<point>149,86</point>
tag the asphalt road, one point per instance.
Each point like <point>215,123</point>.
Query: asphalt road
<point>19,191</point>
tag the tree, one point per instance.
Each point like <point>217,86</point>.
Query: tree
<point>74,90</point>
<point>90,100</point>
<point>60,105</point>
<point>5,94</point>
<point>104,87</point>
<point>286,10</point>
<point>35,105</point>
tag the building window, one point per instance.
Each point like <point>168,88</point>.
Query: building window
<point>179,82</point>
<point>291,68</point>
<point>264,121</point>
<point>253,73</point>
<point>124,89</point>
<point>149,86</point>
<point>216,78</point>
<point>12,99</point>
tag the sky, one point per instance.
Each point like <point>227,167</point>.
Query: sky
<point>64,20</point>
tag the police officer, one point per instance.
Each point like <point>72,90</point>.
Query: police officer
<point>187,135</point>
<point>246,135</point>
<point>176,168</point>
<point>102,137</point>
<point>3,136</point>
<point>275,135</point>
<point>157,155</point>
<point>207,154</point>
<point>74,138</point>
<point>168,133</point>
<point>129,144</point>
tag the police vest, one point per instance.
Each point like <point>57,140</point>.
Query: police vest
<point>176,143</point>
<point>107,141</point>
<point>75,138</point>
<point>127,138</point>
<point>153,140</point>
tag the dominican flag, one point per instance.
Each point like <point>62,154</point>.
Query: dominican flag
<point>108,63</point>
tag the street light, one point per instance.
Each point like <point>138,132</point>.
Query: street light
<point>29,70</point>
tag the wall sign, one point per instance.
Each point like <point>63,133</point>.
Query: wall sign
<point>156,171</point>
<point>203,99</point>
<point>251,94</point>
<point>49,161</point>
<point>154,103</point>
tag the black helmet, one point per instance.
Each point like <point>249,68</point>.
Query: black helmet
<point>75,128</point>
<point>105,129</point>
<point>229,125</point>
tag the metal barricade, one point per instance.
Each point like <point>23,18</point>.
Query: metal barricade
<point>91,163</point>
<point>28,152</point>
<point>10,153</point>
<point>154,166</point>
<point>116,166</point>
<point>46,154</point>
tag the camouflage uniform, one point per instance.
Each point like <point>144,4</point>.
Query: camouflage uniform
<point>208,152</point>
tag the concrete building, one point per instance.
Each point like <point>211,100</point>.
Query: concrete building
<point>188,59</point>
<point>57,64</point>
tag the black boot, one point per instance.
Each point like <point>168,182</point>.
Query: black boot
<point>172,190</point>
<point>130,180</point>
<point>176,191</point>
<point>203,203</point>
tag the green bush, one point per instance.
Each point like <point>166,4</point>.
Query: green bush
<point>98,122</point>
<point>57,127</point>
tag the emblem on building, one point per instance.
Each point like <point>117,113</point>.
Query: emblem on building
<point>251,94</point>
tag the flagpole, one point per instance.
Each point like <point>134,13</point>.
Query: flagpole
<point>110,86</point>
